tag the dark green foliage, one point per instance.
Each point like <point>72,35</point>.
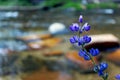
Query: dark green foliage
<point>30,64</point>
<point>62,4</point>
<point>101,5</point>
<point>15,2</point>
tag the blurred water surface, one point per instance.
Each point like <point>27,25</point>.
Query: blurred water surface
<point>15,24</point>
<point>20,23</point>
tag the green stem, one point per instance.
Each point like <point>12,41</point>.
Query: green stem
<point>92,59</point>
<point>104,78</point>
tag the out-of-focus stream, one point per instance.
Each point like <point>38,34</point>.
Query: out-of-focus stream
<point>14,24</point>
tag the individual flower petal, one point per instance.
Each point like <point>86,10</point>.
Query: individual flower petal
<point>76,38</point>
<point>97,51</point>
<point>94,52</point>
<point>86,39</point>
<point>80,41</point>
<point>82,53</point>
<point>74,27</point>
<point>103,66</point>
<point>72,40</point>
<point>86,57</point>
<point>86,27</point>
<point>100,73</point>
<point>71,28</point>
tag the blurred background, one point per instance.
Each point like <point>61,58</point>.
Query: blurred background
<point>34,39</point>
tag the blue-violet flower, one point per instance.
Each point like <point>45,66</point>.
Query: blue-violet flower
<point>94,52</point>
<point>74,27</point>
<point>117,77</point>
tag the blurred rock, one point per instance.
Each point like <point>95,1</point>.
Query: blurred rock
<point>71,61</point>
<point>10,32</point>
<point>48,75</point>
<point>51,42</point>
<point>53,53</point>
<point>13,45</point>
<point>16,45</point>
<point>7,64</point>
<point>31,63</point>
<point>103,42</point>
<point>9,14</point>
<point>11,24</point>
<point>110,21</point>
<point>78,63</point>
<point>105,20</point>
<point>57,64</point>
<point>34,37</point>
<point>114,57</point>
<point>56,28</point>
<point>4,51</point>
<point>105,11</point>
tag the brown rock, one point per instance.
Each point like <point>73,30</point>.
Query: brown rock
<point>83,64</point>
<point>51,42</point>
<point>53,53</point>
<point>48,75</point>
<point>34,37</point>
<point>103,42</point>
<point>114,57</point>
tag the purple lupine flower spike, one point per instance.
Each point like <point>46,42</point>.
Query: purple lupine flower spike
<point>83,40</point>
<point>81,19</point>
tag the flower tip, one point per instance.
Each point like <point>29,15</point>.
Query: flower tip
<point>81,19</point>
<point>81,16</point>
